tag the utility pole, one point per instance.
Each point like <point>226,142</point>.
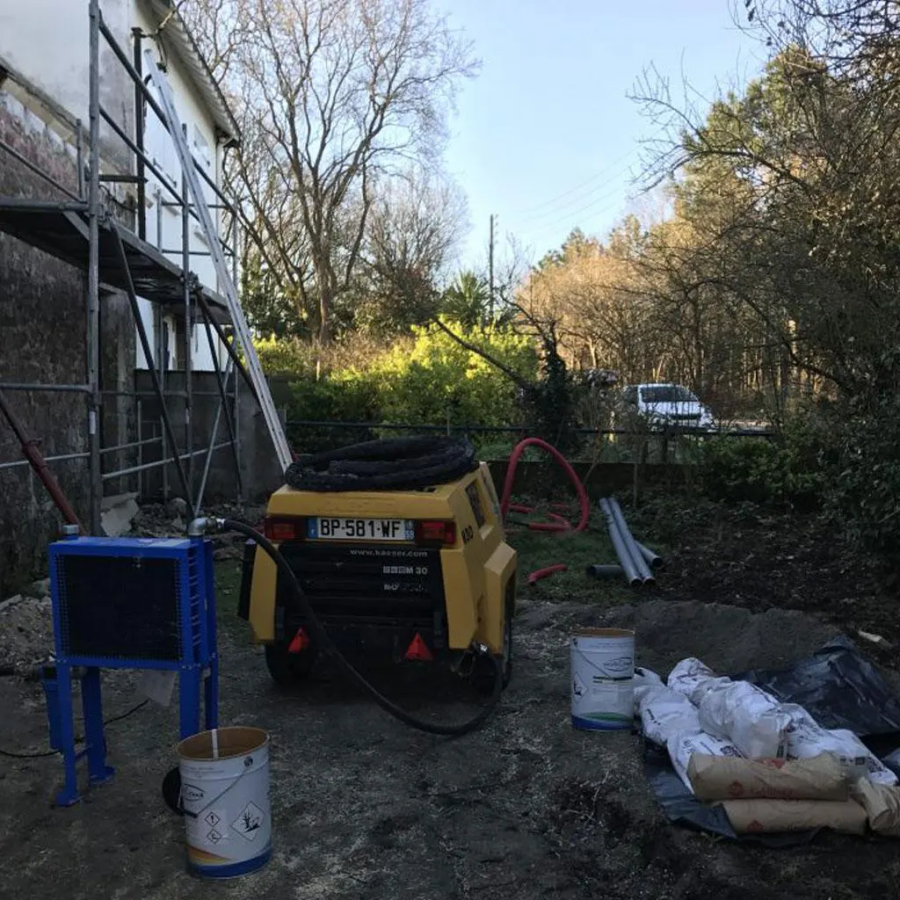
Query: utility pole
<point>491,269</point>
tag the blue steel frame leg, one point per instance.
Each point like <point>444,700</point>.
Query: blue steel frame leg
<point>211,687</point>
<point>69,795</point>
<point>92,703</point>
<point>189,700</point>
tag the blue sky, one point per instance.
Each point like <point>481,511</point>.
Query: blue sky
<point>546,137</point>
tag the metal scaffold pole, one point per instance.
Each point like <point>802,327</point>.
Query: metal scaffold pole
<point>93,273</point>
<point>254,368</point>
<point>188,342</point>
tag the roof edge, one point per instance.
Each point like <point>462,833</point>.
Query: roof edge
<point>185,47</point>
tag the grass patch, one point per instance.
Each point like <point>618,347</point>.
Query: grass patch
<point>577,550</point>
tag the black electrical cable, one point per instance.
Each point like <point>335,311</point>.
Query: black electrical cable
<point>12,755</point>
<point>125,715</point>
<point>324,641</point>
<point>78,740</point>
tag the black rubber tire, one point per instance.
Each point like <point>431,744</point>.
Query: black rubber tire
<point>289,669</point>
<point>484,673</point>
<point>171,790</point>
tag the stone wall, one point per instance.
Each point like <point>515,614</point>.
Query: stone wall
<point>43,340</point>
<point>260,471</point>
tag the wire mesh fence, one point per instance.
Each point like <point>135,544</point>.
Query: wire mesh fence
<point>651,445</point>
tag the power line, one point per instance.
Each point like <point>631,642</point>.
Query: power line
<point>601,204</point>
<point>571,208</point>
<point>603,172</point>
<point>548,207</point>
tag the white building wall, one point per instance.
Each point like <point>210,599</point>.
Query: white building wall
<point>46,41</point>
<point>164,222</point>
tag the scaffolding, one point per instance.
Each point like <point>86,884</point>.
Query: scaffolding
<point>80,232</point>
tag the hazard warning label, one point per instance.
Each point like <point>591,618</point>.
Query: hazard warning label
<point>249,821</point>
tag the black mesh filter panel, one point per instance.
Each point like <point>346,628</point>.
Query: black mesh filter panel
<point>366,580</point>
<point>120,607</point>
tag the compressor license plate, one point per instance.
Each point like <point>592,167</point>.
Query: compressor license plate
<point>334,529</point>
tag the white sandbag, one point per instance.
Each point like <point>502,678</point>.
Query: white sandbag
<point>642,682</point>
<point>806,739</point>
<point>683,745</point>
<point>726,778</point>
<point>665,712</point>
<point>882,806</point>
<point>706,685</point>
<point>781,816</point>
<point>747,716</point>
<point>687,675</point>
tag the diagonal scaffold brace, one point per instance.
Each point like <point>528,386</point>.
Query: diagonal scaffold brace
<point>242,330</point>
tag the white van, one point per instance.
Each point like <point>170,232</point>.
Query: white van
<point>668,404</point>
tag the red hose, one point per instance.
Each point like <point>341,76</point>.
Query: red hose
<point>561,519</point>
<point>573,477</point>
<point>548,570</point>
<point>561,523</point>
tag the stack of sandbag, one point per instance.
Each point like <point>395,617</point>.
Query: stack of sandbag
<point>769,764</point>
<point>762,727</point>
<point>670,720</point>
<point>772,795</point>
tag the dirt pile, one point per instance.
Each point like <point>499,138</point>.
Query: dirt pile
<point>727,638</point>
<point>26,627</point>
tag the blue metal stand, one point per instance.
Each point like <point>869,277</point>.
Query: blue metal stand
<point>196,660</point>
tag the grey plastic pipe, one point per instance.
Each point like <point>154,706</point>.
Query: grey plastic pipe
<point>605,571</point>
<point>640,564</point>
<point>625,558</point>
<point>653,560</point>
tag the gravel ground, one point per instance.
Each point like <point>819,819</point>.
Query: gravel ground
<point>525,808</point>
<point>365,808</point>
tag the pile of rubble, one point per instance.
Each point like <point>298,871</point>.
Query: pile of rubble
<point>26,628</point>
<point>170,519</point>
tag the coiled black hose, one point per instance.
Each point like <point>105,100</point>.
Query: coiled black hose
<point>324,641</point>
<point>390,464</point>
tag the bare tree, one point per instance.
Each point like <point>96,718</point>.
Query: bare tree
<point>334,97</point>
<point>414,226</point>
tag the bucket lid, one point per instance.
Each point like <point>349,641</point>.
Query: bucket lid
<point>230,741</point>
<point>604,632</point>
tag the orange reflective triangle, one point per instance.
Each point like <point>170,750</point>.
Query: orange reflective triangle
<point>418,649</point>
<point>300,642</point>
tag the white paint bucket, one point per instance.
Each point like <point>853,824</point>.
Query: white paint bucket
<point>225,797</point>
<point>602,679</point>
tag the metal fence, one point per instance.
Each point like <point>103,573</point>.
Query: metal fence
<point>662,445</point>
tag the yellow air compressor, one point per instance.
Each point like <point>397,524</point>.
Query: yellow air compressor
<point>399,549</point>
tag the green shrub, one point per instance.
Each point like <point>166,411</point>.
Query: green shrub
<point>284,357</point>
<point>330,400</point>
<point>784,470</point>
<point>437,381</point>
<point>429,379</point>
<point>864,481</point>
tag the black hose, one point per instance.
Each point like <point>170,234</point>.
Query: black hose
<point>602,570</point>
<point>324,640</point>
<point>389,464</point>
